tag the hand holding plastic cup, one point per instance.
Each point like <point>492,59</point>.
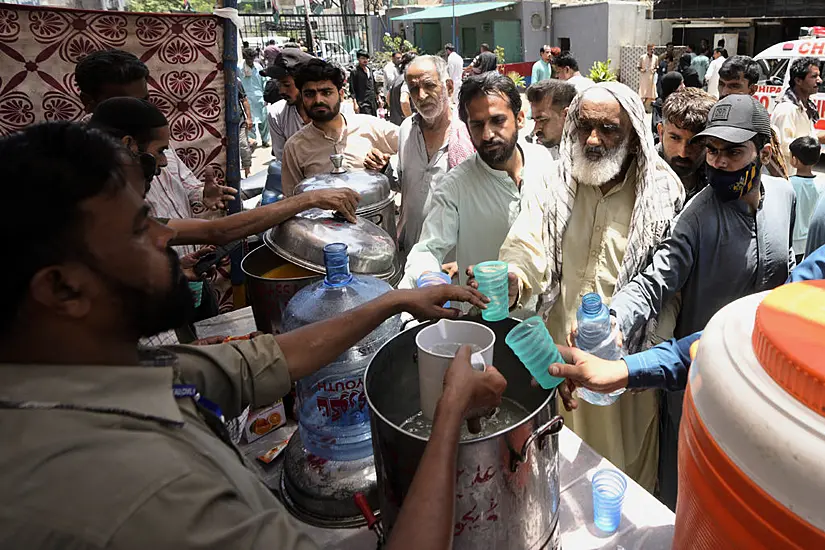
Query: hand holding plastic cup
<point>533,345</point>
<point>609,487</point>
<point>492,282</point>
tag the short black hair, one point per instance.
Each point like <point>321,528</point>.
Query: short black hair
<point>271,42</point>
<point>128,116</point>
<point>669,44</point>
<point>720,51</point>
<point>70,163</point>
<point>561,92</point>
<point>806,150</point>
<point>800,68</point>
<point>362,53</point>
<point>489,83</point>
<point>108,67</point>
<point>740,65</point>
<point>485,46</point>
<point>317,70</point>
<point>566,59</point>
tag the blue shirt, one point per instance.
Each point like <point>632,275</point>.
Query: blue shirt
<point>666,365</point>
<point>808,189</point>
<point>541,71</point>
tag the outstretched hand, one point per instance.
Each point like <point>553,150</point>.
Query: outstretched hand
<point>428,302</point>
<point>216,196</point>
<point>583,369</point>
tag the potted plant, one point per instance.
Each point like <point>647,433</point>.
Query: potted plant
<point>601,72</point>
<point>518,80</point>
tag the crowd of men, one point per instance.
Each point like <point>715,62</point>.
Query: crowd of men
<point>666,233</point>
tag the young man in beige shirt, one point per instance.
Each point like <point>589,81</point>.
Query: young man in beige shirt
<point>307,152</point>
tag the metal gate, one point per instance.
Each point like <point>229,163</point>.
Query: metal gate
<point>336,37</point>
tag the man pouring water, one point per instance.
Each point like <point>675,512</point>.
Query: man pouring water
<point>98,275</point>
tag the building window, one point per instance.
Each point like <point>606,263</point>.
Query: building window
<point>564,44</point>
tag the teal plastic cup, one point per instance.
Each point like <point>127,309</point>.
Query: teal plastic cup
<point>492,282</point>
<point>196,288</point>
<point>533,345</point>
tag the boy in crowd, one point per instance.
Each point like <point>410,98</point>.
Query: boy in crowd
<point>808,188</point>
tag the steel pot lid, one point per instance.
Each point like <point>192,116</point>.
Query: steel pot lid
<point>301,240</point>
<point>373,187</point>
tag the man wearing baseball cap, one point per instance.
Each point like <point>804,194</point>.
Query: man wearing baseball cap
<point>734,238</point>
<point>287,116</point>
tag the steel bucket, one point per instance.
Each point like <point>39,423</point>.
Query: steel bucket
<point>268,297</point>
<point>382,215</point>
<point>507,493</point>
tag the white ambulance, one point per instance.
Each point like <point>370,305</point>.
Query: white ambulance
<point>775,64</point>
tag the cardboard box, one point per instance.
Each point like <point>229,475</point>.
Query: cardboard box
<point>262,421</point>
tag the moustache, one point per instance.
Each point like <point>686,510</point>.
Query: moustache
<point>682,160</point>
<point>594,152</point>
<point>493,144</point>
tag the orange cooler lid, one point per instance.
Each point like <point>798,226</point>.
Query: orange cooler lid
<point>789,340</point>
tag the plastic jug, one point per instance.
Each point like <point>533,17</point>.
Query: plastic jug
<point>437,345</point>
<point>333,414</point>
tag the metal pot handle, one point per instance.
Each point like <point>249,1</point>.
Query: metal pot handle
<point>552,427</point>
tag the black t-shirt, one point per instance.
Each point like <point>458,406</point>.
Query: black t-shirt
<point>485,62</point>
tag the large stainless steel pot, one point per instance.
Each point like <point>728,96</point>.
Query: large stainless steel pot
<point>268,297</point>
<point>301,240</point>
<point>377,204</point>
<point>507,495</point>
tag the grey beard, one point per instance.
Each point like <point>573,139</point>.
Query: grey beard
<point>597,173</point>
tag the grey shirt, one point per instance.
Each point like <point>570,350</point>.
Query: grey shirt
<point>284,121</point>
<point>418,176</point>
<point>718,252</point>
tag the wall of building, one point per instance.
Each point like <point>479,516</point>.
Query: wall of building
<point>534,38</point>
<point>586,26</point>
<point>629,26</point>
<point>597,32</point>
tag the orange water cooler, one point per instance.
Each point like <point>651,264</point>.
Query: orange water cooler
<point>752,439</point>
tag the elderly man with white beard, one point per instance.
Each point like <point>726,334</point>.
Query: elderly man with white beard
<point>611,203</point>
<point>430,143</point>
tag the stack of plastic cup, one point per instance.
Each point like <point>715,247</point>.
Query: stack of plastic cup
<point>492,282</point>
<point>433,278</point>
<point>608,495</point>
<point>533,345</point>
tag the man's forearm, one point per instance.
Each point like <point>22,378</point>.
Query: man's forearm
<point>237,226</point>
<point>426,518</point>
<point>664,366</point>
<point>309,348</point>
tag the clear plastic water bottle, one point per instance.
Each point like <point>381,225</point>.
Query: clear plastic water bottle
<point>333,414</point>
<point>594,336</point>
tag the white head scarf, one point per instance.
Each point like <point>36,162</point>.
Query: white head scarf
<point>659,194</point>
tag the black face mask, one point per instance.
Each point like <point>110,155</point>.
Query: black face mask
<point>730,186</point>
<point>149,166</point>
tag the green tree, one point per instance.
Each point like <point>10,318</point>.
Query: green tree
<point>166,6</point>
